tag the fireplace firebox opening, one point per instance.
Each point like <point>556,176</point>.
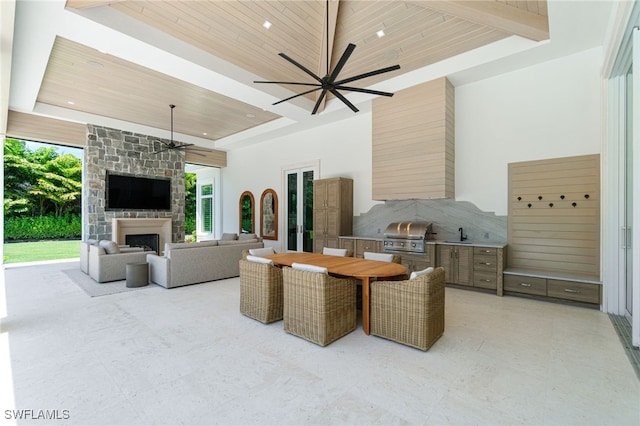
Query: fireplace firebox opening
<point>149,242</point>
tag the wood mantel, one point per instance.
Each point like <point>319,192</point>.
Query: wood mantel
<point>121,227</point>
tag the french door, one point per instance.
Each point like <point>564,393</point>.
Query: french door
<point>298,183</point>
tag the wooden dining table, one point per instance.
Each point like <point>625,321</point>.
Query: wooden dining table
<point>362,269</point>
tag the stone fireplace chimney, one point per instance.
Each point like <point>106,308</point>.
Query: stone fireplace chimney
<point>131,153</point>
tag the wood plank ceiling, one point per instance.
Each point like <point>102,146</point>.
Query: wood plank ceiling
<point>417,34</point>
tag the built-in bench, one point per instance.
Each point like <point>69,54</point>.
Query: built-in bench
<point>581,288</point>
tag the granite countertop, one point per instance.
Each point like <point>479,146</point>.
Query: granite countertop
<point>494,244</point>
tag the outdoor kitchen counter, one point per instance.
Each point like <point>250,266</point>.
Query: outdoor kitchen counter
<point>494,244</point>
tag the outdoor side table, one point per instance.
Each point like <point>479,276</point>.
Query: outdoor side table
<point>137,274</point>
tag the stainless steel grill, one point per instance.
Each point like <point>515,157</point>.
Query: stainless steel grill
<point>407,237</point>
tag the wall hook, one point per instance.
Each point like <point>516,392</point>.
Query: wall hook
<point>574,204</point>
<point>539,197</point>
<point>586,196</point>
<point>519,198</point>
<point>562,197</point>
<point>550,204</point>
<point>529,205</point>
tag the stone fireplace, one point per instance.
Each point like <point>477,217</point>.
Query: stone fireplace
<point>125,152</point>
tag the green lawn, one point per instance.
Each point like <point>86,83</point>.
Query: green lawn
<point>41,250</point>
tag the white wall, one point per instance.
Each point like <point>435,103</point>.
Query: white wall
<point>545,111</point>
<point>342,148</point>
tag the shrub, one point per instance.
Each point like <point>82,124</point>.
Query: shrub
<point>43,227</point>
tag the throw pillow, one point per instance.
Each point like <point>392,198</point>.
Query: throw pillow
<point>416,274</point>
<point>257,259</point>
<point>243,237</point>
<point>261,251</point>
<point>110,247</point>
<point>229,237</point>
<point>310,268</point>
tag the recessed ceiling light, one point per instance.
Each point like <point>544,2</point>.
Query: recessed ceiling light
<point>250,115</point>
<point>267,24</point>
<point>95,64</point>
<point>380,33</point>
<point>204,134</point>
<point>71,102</point>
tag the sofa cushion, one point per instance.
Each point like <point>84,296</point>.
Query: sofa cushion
<point>310,268</point>
<point>229,237</point>
<point>244,237</point>
<point>110,247</point>
<point>258,259</point>
<point>265,251</point>
<point>416,274</point>
<point>233,242</point>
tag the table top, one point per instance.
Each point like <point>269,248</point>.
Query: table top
<point>347,266</point>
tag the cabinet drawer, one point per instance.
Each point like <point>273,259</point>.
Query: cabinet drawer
<point>522,284</point>
<point>485,251</point>
<point>485,280</point>
<point>484,263</point>
<point>581,292</point>
<point>367,245</point>
<point>348,243</point>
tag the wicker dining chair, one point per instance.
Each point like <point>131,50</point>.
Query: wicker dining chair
<point>318,307</point>
<point>261,293</point>
<point>411,311</point>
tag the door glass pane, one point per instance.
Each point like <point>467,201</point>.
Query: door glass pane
<point>307,190</point>
<point>207,189</point>
<point>629,192</point>
<point>207,215</point>
<point>292,211</point>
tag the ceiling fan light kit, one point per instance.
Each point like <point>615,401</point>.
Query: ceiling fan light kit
<point>328,83</point>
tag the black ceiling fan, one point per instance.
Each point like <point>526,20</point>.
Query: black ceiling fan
<point>173,146</point>
<point>328,83</point>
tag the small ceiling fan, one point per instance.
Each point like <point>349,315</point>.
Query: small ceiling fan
<point>173,146</point>
<point>328,83</point>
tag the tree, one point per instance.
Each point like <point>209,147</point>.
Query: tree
<point>190,202</point>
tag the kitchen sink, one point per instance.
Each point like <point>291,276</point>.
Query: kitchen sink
<point>459,242</point>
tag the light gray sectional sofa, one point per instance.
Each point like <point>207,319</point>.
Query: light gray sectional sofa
<point>191,263</point>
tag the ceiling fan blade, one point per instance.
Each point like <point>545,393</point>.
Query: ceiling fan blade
<point>341,63</point>
<point>367,74</point>
<point>288,82</point>
<point>345,100</point>
<point>302,67</point>
<point>299,94</point>
<point>319,101</point>
<point>369,91</point>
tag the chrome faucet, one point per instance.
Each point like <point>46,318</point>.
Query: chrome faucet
<point>462,236</point>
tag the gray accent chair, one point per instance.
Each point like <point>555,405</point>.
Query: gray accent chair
<point>104,267</point>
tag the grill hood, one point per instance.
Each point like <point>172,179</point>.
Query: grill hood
<point>408,230</point>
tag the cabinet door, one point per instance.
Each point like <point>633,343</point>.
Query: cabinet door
<point>319,194</point>
<point>332,224</point>
<point>464,259</point>
<point>348,243</point>
<point>445,259</point>
<point>332,193</point>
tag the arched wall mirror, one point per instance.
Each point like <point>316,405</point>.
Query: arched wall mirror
<point>247,210</point>
<point>269,215</point>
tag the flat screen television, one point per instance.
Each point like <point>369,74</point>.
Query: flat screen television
<point>127,192</point>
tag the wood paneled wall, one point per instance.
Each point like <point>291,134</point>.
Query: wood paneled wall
<point>413,143</point>
<point>562,237</point>
<point>42,129</point>
<point>212,158</point>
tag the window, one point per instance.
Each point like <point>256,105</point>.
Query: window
<point>206,208</point>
